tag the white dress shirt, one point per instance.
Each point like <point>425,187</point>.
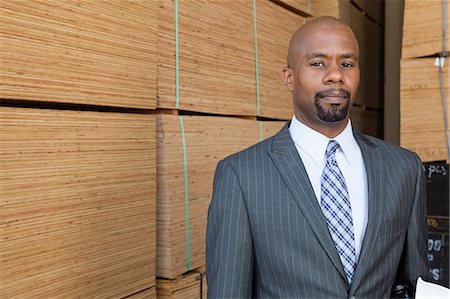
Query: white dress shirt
<point>311,146</point>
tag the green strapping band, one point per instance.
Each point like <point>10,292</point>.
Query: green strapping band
<point>183,139</point>
<point>186,195</point>
<point>260,131</point>
<point>177,83</point>
<point>255,37</point>
<point>309,7</point>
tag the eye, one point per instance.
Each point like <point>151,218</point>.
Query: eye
<point>347,64</point>
<point>317,64</point>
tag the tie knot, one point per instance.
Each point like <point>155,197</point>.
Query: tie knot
<point>331,149</point>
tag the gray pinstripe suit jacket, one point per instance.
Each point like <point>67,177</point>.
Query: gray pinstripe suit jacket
<point>267,236</point>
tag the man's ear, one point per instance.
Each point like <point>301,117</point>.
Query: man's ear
<point>288,78</point>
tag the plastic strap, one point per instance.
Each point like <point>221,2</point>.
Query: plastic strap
<point>186,195</point>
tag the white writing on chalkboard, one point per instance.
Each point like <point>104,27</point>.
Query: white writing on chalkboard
<point>434,245</point>
<point>436,169</point>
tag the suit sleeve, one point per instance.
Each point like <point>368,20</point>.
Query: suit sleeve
<point>414,262</point>
<point>229,250</point>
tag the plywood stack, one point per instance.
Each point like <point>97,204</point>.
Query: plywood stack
<point>78,187</point>
<point>191,285</point>
<point>368,108</point>
<point>374,9</point>
<point>275,100</point>
<point>185,175</point>
<point>85,52</point>
<point>78,203</point>
<point>421,115</point>
<point>422,126</point>
<point>422,28</point>
<point>301,7</point>
<point>145,294</point>
<point>217,57</point>
<point>207,65</point>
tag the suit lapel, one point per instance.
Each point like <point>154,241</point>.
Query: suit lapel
<point>375,184</point>
<point>290,166</point>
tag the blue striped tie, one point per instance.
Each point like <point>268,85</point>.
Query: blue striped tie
<point>335,206</point>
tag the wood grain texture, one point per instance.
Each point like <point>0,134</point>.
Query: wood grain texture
<point>191,285</point>
<point>145,294</point>
<point>273,44</point>
<point>302,7</point>
<point>373,8</point>
<point>83,52</point>
<point>367,121</point>
<point>421,111</point>
<point>78,203</point>
<point>208,140</point>
<point>422,28</point>
<point>216,56</point>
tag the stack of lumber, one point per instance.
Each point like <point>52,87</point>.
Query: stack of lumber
<point>367,121</point>
<point>149,293</point>
<point>421,115</point>
<point>370,38</point>
<point>422,28</point>
<point>301,7</point>
<point>78,203</point>
<point>181,209</point>
<point>82,52</point>
<point>78,188</point>
<point>372,8</point>
<point>191,285</point>
<point>422,126</point>
<point>273,42</point>
<point>217,57</point>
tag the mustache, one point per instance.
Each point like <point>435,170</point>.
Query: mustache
<point>339,92</point>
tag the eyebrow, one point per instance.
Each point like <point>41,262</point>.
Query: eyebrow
<point>323,55</point>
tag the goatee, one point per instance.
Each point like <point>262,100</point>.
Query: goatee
<point>334,114</point>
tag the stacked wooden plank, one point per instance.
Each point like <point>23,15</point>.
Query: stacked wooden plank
<point>373,8</point>
<point>301,7</point>
<point>421,113</point>
<point>78,203</point>
<point>191,285</point>
<point>275,99</point>
<point>367,121</point>
<point>145,294</point>
<point>83,52</point>
<point>217,57</point>
<point>182,209</point>
<point>422,127</point>
<point>370,38</point>
<point>422,28</point>
<point>216,64</point>
<point>77,188</point>
<point>208,65</point>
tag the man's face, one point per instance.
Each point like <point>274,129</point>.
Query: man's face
<point>325,76</point>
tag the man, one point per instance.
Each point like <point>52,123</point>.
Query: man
<point>318,210</point>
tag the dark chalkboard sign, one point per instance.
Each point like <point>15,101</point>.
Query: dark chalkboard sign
<point>438,248</point>
<point>437,175</point>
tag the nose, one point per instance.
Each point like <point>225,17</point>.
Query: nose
<point>334,75</point>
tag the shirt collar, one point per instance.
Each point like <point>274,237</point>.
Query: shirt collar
<point>315,143</point>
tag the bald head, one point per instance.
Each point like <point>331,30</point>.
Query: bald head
<point>318,26</point>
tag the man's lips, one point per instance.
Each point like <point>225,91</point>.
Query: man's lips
<point>334,99</point>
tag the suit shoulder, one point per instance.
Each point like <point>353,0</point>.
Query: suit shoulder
<point>386,147</point>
